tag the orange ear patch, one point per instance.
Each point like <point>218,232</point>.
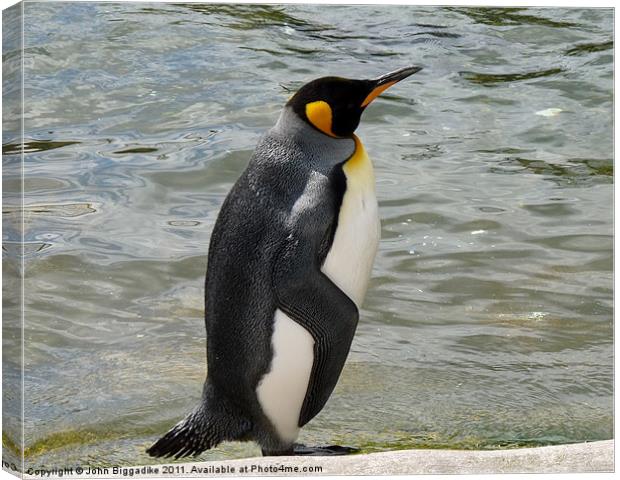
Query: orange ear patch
<point>376,92</point>
<point>320,115</point>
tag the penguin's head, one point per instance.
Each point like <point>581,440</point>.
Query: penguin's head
<point>334,105</point>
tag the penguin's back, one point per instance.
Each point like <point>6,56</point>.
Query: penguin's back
<point>239,303</point>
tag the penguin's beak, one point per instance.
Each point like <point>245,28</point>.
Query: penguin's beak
<point>384,82</point>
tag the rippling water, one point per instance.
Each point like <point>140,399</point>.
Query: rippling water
<point>488,321</point>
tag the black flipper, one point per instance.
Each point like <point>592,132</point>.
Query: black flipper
<point>310,298</point>
<point>212,422</point>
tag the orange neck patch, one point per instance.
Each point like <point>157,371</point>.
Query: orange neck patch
<point>358,169</point>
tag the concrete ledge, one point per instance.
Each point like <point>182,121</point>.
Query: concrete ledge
<point>574,458</point>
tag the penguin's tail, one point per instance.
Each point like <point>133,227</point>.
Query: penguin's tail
<point>212,422</point>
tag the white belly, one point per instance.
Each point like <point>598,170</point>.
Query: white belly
<point>349,261</point>
<point>281,392</point>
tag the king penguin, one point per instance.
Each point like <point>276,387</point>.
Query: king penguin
<point>289,262</point>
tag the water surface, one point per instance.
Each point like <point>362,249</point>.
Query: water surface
<point>488,321</point>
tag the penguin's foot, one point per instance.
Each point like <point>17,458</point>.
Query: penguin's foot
<point>330,450</point>
<point>279,453</point>
<point>298,449</point>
